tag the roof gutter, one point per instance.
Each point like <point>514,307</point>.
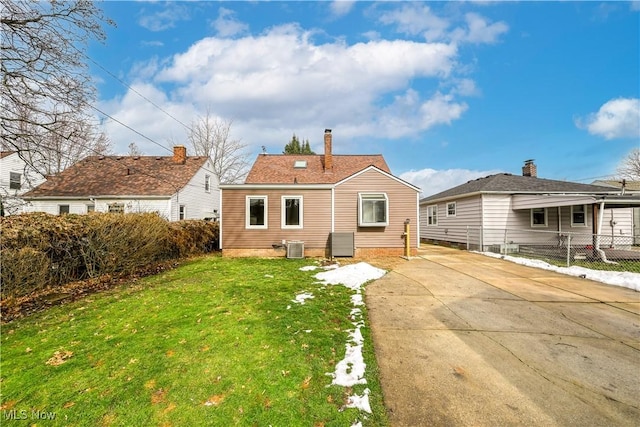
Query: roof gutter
<point>277,186</point>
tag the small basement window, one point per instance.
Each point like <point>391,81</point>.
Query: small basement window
<point>374,209</point>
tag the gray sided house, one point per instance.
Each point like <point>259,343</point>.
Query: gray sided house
<point>503,209</point>
<point>318,205</point>
<point>176,187</point>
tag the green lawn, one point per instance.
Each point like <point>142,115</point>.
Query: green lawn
<point>215,342</point>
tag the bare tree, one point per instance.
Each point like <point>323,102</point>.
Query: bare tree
<point>46,89</point>
<point>629,168</point>
<point>134,150</point>
<point>211,136</point>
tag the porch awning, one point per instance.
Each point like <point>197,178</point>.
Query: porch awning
<point>530,201</point>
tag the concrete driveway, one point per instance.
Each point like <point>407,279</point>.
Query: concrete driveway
<point>467,340</point>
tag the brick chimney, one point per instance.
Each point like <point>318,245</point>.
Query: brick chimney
<point>530,169</point>
<point>328,157</point>
<point>179,154</point>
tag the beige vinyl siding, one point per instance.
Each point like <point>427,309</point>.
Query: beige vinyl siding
<point>452,228</point>
<point>316,219</point>
<point>402,205</point>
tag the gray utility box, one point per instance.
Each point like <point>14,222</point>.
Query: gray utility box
<point>342,244</point>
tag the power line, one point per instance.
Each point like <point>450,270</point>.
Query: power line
<point>187,127</point>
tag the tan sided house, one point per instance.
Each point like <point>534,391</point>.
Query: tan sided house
<point>318,205</point>
<point>176,187</point>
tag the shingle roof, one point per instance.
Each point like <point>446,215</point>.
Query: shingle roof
<point>507,183</point>
<point>120,176</point>
<point>279,168</point>
<point>4,154</point>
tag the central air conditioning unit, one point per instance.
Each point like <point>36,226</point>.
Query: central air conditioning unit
<point>295,249</point>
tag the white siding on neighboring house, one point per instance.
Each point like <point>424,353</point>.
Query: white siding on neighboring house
<point>53,206</point>
<point>10,165</point>
<point>199,203</point>
<point>618,224</point>
<point>451,228</point>
<point>161,206</point>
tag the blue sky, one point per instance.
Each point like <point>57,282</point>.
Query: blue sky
<point>446,91</point>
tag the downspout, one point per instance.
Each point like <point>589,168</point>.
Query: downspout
<point>596,248</point>
<point>220,221</point>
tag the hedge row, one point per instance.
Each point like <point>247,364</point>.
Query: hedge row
<point>40,251</point>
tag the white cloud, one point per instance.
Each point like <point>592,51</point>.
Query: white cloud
<point>617,118</point>
<point>341,7</point>
<point>139,114</point>
<point>415,19</point>
<point>479,30</point>
<point>227,25</point>
<point>432,181</point>
<point>418,19</point>
<point>164,19</point>
<point>281,82</point>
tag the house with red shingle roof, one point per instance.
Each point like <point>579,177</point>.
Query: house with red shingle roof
<point>328,205</point>
<point>176,187</point>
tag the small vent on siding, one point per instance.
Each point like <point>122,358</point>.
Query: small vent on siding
<point>295,249</point>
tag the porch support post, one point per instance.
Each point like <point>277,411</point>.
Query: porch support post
<point>599,210</point>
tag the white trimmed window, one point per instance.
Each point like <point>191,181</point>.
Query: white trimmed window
<point>539,217</point>
<point>207,183</point>
<point>292,210</point>
<point>256,212</point>
<point>91,208</point>
<point>579,216</point>
<point>183,212</point>
<point>432,215</point>
<point>116,207</point>
<point>451,209</point>
<point>15,181</point>
<point>63,209</point>
<point>373,209</point>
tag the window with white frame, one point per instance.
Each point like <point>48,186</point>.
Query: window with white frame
<point>451,209</point>
<point>116,208</point>
<point>63,209</point>
<point>579,216</point>
<point>539,217</point>
<point>207,183</point>
<point>292,211</point>
<point>91,208</point>
<point>15,181</point>
<point>256,212</point>
<point>373,209</point>
<point>432,215</point>
<point>182,214</point>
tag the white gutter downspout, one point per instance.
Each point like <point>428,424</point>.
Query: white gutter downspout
<point>600,252</point>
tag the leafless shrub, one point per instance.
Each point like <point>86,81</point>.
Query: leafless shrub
<point>40,250</point>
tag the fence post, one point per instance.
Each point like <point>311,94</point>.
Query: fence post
<point>568,249</point>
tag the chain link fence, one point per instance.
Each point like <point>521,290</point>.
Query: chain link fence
<point>564,249</point>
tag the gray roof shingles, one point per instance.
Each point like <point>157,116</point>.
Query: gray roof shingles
<point>516,184</point>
